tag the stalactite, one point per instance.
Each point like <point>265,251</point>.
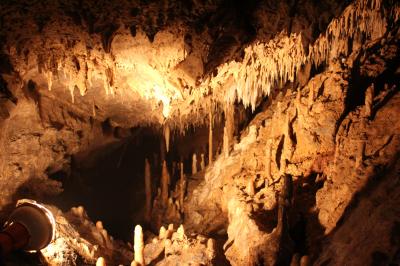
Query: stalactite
<point>210,139</point>
<point>172,208</point>
<point>94,110</point>
<point>277,61</point>
<point>162,150</point>
<point>71,89</point>
<point>139,245</point>
<point>166,136</point>
<point>147,184</point>
<point>165,182</point>
<point>49,76</point>
<point>182,187</point>
<point>194,164</point>
<point>369,97</point>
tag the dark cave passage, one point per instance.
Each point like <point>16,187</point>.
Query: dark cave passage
<point>109,183</point>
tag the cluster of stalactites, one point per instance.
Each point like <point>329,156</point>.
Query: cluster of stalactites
<point>271,64</point>
<point>362,18</point>
<point>77,66</point>
<point>265,65</point>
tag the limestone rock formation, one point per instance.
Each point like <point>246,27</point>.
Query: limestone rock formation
<point>267,130</point>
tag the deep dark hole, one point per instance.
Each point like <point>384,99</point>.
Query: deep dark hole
<point>109,183</point>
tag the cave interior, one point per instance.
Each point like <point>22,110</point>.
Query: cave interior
<point>203,132</point>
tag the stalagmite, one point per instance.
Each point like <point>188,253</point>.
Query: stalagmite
<point>167,246</point>
<point>295,260</point>
<point>250,187</point>
<point>165,182</point>
<point>202,162</point>
<point>163,232</point>
<point>194,164</point>
<point>211,248</point>
<point>369,97</point>
<point>80,211</point>
<point>169,231</point>
<point>99,225</point>
<point>181,172</point>
<point>181,232</point>
<point>171,227</point>
<point>226,142</point>
<point>210,139</point>
<point>101,262</point>
<point>139,245</point>
<point>147,185</point>
<point>166,137</point>
<point>305,261</point>
<point>228,128</point>
<point>106,238</point>
<point>134,263</point>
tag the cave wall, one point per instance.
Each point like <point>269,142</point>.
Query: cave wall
<point>342,154</point>
<point>37,141</point>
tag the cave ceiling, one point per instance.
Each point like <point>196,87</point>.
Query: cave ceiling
<point>150,63</point>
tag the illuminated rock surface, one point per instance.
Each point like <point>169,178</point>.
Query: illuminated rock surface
<point>269,129</point>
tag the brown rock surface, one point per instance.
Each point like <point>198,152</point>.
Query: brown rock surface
<point>290,107</point>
